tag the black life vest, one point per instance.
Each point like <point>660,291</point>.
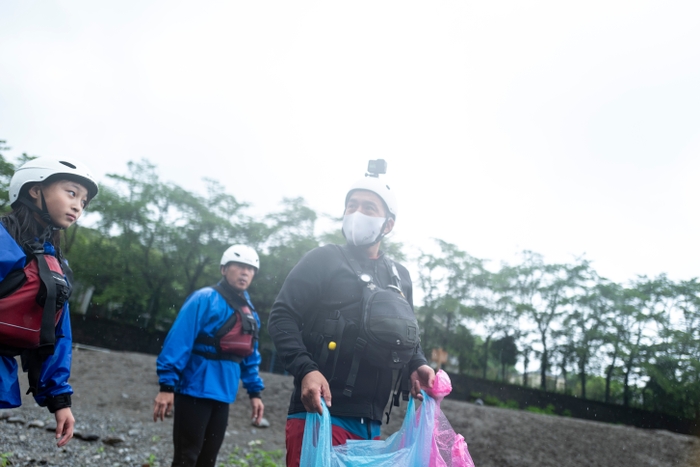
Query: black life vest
<point>236,338</point>
<point>384,332</point>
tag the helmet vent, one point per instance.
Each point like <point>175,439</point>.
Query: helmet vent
<point>67,164</point>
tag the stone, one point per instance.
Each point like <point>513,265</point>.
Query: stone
<point>16,419</point>
<point>36,424</point>
<point>85,436</point>
<point>264,423</point>
<point>113,440</point>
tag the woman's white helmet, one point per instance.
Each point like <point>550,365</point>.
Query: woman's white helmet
<point>241,254</point>
<point>378,187</point>
<point>42,168</point>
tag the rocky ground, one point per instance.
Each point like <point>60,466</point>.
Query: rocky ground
<point>113,410</point>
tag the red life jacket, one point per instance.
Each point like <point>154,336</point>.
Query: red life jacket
<point>236,338</point>
<point>31,305</point>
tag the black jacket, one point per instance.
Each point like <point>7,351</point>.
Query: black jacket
<point>321,282</point>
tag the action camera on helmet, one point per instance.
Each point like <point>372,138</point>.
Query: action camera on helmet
<point>376,167</point>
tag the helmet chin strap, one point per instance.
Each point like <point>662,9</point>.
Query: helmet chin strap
<point>43,215</point>
<point>381,233</point>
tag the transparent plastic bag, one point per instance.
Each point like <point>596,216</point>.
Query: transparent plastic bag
<point>449,449</point>
<point>426,438</point>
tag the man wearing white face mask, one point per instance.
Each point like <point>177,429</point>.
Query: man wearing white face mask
<point>321,325</point>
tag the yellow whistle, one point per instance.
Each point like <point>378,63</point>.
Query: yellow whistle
<point>331,345</point>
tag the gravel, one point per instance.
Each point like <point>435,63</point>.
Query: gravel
<point>113,401</point>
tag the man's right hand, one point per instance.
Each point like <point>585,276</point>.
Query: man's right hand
<point>163,405</point>
<point>313,387</point>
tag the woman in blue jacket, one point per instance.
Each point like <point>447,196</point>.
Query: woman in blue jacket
<point>197,378</point>
<point>46,196</point>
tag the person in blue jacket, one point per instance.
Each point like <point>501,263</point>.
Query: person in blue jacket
<point>195,378</point>
<point>46,196</point>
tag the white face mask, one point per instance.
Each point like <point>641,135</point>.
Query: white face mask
<point>360,229</point>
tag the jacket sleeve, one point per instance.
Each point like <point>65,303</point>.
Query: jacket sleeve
<point>298,296</point>
<point>250,370</point>
<point>11,255</point>
<point>55,371</point>
<point>179,343</point>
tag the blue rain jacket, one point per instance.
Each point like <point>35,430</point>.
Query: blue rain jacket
<point>55,370</point>
<point>204,312</point>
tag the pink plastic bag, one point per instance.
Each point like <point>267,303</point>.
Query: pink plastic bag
<point>449,448</point>
<point>426,438</point>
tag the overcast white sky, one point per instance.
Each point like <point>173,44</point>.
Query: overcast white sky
<point>564,128</point>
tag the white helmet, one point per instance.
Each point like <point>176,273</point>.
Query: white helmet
<point>378,187</point>
<point>241,254</point>
<point>42,168</point>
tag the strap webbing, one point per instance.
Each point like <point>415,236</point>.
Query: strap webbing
<point>33,359</point>
<point>360,345</point>
<point>47,335</point>
<point>355,266</point>
<point>218,356</point>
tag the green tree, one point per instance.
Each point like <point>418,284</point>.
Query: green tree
<point>165,242</point>
<point>494,310</point>
<point>541,293</point>
<point>586,319</point>
<point>673,362</point>
<point>645,299</point>
<point>448,280</point>
<point>505,351</point>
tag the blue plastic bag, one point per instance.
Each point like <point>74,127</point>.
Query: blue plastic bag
<point>408,447</point>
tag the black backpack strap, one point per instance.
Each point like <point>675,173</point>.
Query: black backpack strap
<point>360,345</point>
<point>391,267</point>
<point>47,335</point>
<point>396,286</point>
<point>218,356</point>
<point>32,360</point>
<point>67,271</point>
<point>393,271</point>
<point>402,387</point>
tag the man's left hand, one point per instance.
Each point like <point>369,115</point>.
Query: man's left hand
<point>422,378</point>
<point>258,409</point>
